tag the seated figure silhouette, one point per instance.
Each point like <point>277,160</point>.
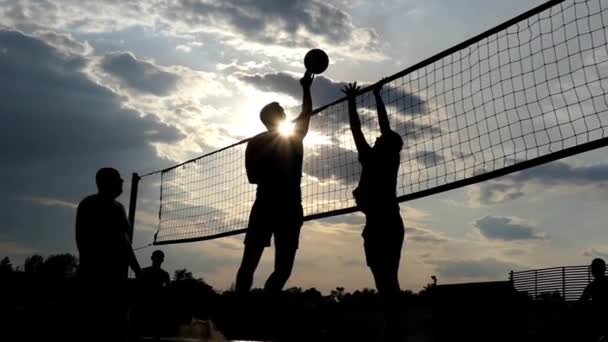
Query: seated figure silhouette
<point>154,281</point>
<point>376,197</point>
<point>597,293</point>
<point>274,162</point>
<point>105,253</point>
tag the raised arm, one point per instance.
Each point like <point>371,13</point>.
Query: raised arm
<point>303,120</point>
<point>385,126</point>
<point>251,164</point>
<point>355,123</point>
<point>586,296</point>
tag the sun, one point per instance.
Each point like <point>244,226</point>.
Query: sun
<point>286,128</point>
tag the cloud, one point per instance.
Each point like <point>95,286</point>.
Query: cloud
<point>557,174</point>
<point>488,268</point>
<point>291,25</point>
<point>50,103</point>
<point>423,235</point>
<point>330,162</point>
<point>429,158</point>
<point>561,173</point>
<point>493,192</point>
<point>52,202</point>
<point>183,48</point>
<point>273,22</point>
<point>326,90</point>
<point>596,253</point>
<point>140,75</point>
<point>506,229</point>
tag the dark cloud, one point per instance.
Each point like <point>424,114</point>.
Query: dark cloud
<point>332,162</point>
<point>557,173</point>
<point>140,75</point>
<point>269,21</point>
<point>59,127</point>
<point>49,104</point>
<point>326,90</point>
<point>489,268</point>
<point>503,228</point>
<point>429,158</point>
<point>423,235</point>
<point>494,192</point>
<point>561,173</point>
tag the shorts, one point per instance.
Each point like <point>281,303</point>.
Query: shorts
<point>383,243</point>
<point>282,221</point>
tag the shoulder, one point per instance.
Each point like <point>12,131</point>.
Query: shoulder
<point>118,205</point>
<point>256,142</point>
<point>88,201</point>
<point>395,138</point>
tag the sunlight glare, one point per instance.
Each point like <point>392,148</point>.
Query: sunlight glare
<point>286,128</point>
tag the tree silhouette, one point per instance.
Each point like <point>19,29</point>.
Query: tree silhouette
<point>60,266</point>
<point>6,266</point>
<point>182,274</point>
<point>337,294</point>
<point>33,264</point>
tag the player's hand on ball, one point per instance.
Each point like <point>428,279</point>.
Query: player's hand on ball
<point>351,90</point>
<point>307,79</point>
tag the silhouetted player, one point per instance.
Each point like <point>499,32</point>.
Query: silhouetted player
<point>154,277</point>
<point>376,198</point>
<point>597,292</point>
<point>154,280</point>
<point>274,162</point>
<point>105,253</point>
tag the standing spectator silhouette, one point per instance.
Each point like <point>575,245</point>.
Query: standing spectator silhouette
<point>597,293</point>
<point>376,198</point>
<point>154,281</point>
<point>105,253</point>
<point>274,162</point>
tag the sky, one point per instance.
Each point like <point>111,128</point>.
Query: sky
<point>144,85</point>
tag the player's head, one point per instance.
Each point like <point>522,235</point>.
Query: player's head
<point>157,258</point>
<point>388,142</point>
<point>272,115</point>
<point>109,182</point>
<point>598,268</point>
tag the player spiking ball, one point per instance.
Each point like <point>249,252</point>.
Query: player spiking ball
<point>273,161</point>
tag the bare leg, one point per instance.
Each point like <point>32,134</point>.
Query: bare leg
<point>251,259</point>
<point>283,264</point>
<point>387,284</point>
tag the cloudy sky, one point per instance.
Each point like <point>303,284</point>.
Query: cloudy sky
<point>144,85</point>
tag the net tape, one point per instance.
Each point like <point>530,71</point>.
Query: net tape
<point>529,91</point>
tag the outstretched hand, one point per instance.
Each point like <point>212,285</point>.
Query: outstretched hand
<point>378,86</point>
<point>351,90</point>
<point>306,80</point>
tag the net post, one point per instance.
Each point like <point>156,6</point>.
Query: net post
<point>133,203</point>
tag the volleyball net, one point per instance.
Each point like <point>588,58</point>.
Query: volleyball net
<point>527,92</point>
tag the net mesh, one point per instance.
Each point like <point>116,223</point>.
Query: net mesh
<point>529,90</point>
